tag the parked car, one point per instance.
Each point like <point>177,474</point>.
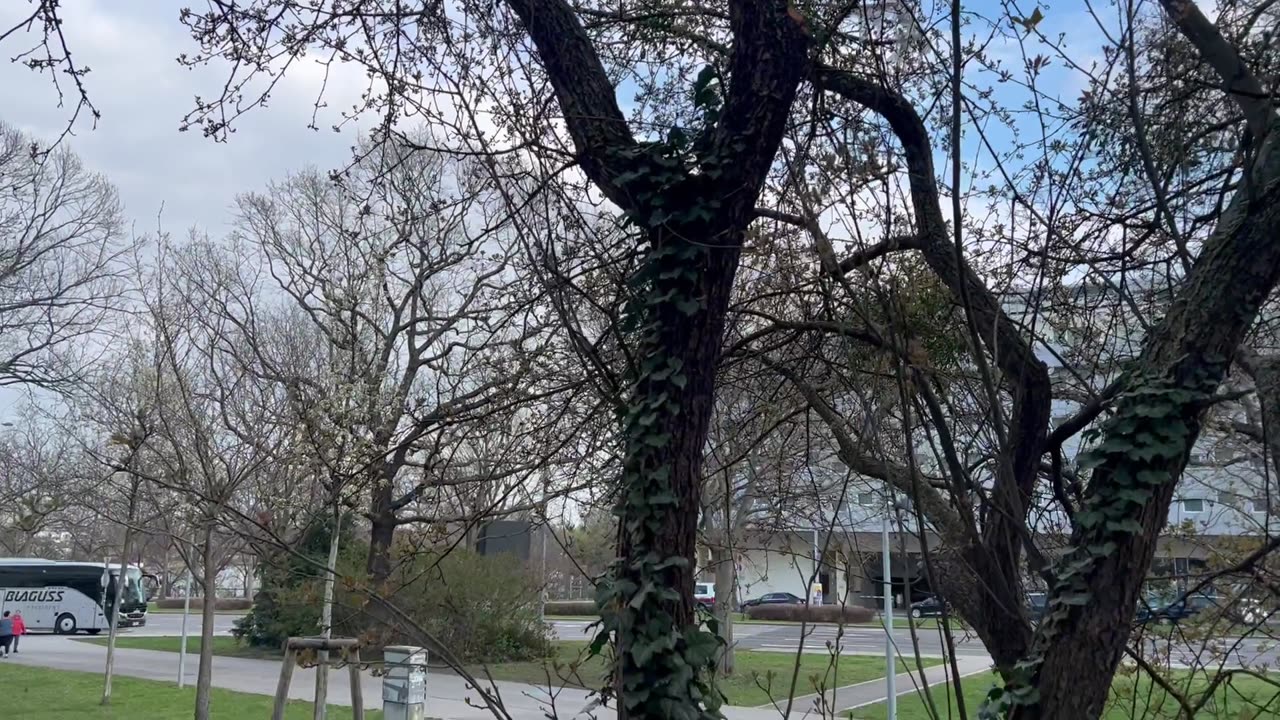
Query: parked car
<point>1154,608</point>
<point>1035,606</point>
<point>779,598</point>
<point>705,594</point>
<point>931,606</point>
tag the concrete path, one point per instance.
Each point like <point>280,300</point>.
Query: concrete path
<point>449,697</point>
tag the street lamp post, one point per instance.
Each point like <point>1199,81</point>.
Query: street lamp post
<point>890,668</point>
<point>182,647</point>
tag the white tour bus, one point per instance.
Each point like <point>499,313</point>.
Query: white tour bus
<point>67,597</point>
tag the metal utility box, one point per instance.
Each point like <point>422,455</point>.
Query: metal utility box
<point>404,688</point>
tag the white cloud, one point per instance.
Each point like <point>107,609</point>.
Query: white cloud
<point>143,93</point>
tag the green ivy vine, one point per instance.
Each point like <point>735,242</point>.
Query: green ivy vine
<point>666,670</point>
<point>1146,438</point>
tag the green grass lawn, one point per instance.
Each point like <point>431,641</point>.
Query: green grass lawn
<point>42,694</point>
<point>759,676</point>
<point>222,645</point>
<point>1132,696</point>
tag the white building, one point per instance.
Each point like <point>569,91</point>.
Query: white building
<point>1221,497</point>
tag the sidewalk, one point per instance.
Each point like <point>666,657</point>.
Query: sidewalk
<point>449,697</point>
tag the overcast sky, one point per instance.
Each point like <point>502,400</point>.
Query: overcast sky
<point>131,47</point>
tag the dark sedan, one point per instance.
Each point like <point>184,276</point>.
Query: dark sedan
<point>782,598</point>
<point>931,606</point>
<point>1154,608</point>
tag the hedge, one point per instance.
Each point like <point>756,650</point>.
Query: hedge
<point>812,613</point>
<point>198,603</point>
<point>571,608</point>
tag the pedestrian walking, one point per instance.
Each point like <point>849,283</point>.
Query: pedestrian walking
<point>6,633</point>
<point>19,629</point>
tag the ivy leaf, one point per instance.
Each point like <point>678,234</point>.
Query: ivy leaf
<point>638,599</point>
<point>1136,496</point>
<point>1151,477</point>
<point>1149,410</point>
<point>1089,518</point>
<point>1103,549</point>
<point>1074,599</point>
<point>701,648</point>
<point>688,307</point>
<point>657,439</point>
<point>705,94</point>
<point>1027,694</point>
<point>599,642</point>
<point>1127,525</point>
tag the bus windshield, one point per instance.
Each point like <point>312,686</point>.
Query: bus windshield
<point>133,589</point>
<point>132,593</point>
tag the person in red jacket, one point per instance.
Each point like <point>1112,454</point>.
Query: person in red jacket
<point>19,629</point>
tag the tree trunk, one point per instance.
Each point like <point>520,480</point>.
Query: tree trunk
<point>989,598</point>
<point>166,577</point>
<point>204,676</point>
<point>382,521</point>
<point>697,218</point>
<point>249,579</point>
<point>1078,646</point>
<point>668,418</point>
<point>113,613</point>
<point>326,618</point>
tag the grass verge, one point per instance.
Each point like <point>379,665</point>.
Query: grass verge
<point>759,678</point>
<point>34,693</point>
<point>1133,695</point>
<point>222,645</point>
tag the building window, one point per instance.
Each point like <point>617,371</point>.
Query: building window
<point>1258,505</point>
<point>1181,566</point>
<point>1192,505</point>
<point>867,499</point>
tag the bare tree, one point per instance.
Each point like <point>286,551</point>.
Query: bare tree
<point>408,330</point>
<point>60,240</point>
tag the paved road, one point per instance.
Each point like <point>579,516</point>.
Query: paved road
<point>1227,651</point>
<point>861,640</point>
<point>171,624</point>
<point>1230,652</point>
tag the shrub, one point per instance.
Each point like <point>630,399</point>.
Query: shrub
<point>197,604</point>
<point>483,608</point>
<point>585,608</point>
<point>291,593</point>
<point>812,613</point>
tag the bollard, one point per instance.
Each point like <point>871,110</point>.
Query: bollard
<point>404,688</point>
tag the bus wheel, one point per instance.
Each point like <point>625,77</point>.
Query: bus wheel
<point>65,624</point>
<point>94,631</point>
